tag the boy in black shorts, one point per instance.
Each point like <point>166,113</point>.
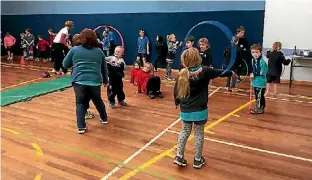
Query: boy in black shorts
<point>276,59</point>
<point>143,47</point>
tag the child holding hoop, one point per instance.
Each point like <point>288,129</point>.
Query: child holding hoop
<point>191,94</point>
<point>231,82</point>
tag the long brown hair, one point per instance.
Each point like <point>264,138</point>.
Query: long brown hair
<point>189,58</point>
<point>87,38</point>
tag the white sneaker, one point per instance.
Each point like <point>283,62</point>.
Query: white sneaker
<point>53,70</point>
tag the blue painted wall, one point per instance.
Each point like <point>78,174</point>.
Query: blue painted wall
<point>156,17</point>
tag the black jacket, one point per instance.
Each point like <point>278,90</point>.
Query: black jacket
<point>276,59</point>
<point>115,71</point>
<point>227,57</point>
<point>245,48</point>
<point>161,48</point>
<point>206,58</point>
<point>198,98</point>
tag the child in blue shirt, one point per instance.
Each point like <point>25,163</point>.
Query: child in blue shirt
<point>143,47</point>
<point>258,76</point>
<point>105,43</point>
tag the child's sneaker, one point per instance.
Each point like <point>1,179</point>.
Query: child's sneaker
<point>200,163</point>
<point>112,105</point>
<point>89,115</point>
<point>180,161</point>
<point>122,103</point>
<point>159,94</point>
<point>103,121</point>
<point>151,95</point>
<point>257,111</point>
<point>82,130</point>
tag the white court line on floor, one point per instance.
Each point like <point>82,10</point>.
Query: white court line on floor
<point>252,148</point>
<point>270,98</point>
<point>147,145</point>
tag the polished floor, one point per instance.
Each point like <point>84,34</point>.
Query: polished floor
<point>39,138</point>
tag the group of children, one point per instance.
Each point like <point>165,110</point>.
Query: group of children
<point>191,87</point>
<point>191,92</point>
<point>28,46</point>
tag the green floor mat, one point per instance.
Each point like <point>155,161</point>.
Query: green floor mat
<point>26,93</point>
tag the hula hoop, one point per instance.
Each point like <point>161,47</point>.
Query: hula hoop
<point>120,36</point>
<point>283,70</point>
<point>228,34</point>
<point>243,64</point>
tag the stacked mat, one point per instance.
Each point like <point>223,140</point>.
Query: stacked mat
<point>26,93</point>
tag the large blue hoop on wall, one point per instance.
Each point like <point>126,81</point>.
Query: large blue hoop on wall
<point>228,34</point>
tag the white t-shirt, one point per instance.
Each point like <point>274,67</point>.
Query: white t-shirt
<point>57,38</point>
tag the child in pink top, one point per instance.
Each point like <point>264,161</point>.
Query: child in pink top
<point>9,42</point>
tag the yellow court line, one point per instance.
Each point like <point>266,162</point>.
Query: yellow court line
<point>27,65</point>
<point>11,131</point>
<point>25,82</point>
<point>24,68</point>
<point>171,156</point>
<point>38,149</point>
<point>38,176</point>
<point>169,151</point>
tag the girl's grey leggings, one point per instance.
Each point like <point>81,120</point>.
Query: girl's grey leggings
<point>199,137</point>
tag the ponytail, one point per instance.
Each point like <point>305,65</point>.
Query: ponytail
<point>183,85</point>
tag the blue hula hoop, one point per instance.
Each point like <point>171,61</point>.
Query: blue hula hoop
<point>228,34</point>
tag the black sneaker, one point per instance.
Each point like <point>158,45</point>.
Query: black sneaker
<point>151,95</point>
<point>82,130</point>
<point>257,111</point>
<point>122,103</point>
<point>180,161</point>
<point>200,163</point>
<point>103,121</point>
<point>112,105</point>
<point>160,95</point>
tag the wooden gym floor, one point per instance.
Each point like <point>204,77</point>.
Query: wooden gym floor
<point>40,141</point>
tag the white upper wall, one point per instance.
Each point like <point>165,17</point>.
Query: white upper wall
<point>107,7</point>
<point>288,21</point>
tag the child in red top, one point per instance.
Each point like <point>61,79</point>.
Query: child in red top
<point>9,42</point>
<point>42,47</point>
<point>135,73</point>
<point>148,82</point>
